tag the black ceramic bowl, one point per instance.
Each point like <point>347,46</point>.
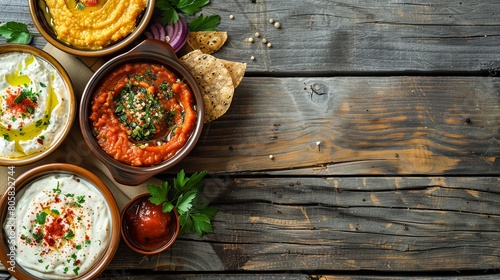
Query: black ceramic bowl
<point>152,51</point>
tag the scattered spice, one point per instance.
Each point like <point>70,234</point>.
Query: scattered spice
<point>257,34</point>
<point>271,20</point>
<point>231,16</point>
<point>271,156</point>
<point>277,25</point>
<point>264,41</point>
<point>269,45</point>
<point>252,58</point>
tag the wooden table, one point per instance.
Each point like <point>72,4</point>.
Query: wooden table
<point>383,120</point>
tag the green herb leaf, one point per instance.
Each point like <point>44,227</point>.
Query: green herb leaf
<point>184,203</point>
<point>194,213</point>
<point>40,218</point>
<point>167,206</point>
<point>15,32</point>
<point>204,23</point>
<point>171,9</point>
<point>190,7</point>
<point>158,193</point>
<point>70,234</point>
<point>168,13</point>
<point>201,224</point>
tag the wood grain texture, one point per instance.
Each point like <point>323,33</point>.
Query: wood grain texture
<point>404,102</point>
<point>346,37</point>
<point>365,125</point>
<point>295,276</point>
<point>359,223</point>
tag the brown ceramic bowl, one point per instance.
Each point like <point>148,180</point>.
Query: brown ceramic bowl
<point>23,183</point>
<point>153,51</point>
<point>131,221</point>
<point>65,117</point>
<point>42,19</point>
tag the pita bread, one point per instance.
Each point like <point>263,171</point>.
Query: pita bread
<point>207,41</point>
<point>236,70</point>
<point>214,80</point>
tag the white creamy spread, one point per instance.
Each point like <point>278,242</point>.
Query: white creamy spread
<point>32,99</point>
<point>62,227</point>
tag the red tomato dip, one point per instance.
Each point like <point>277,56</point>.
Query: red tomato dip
<point>147,226</point>
<point>142,114</point>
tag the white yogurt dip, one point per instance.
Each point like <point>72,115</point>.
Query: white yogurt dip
<point>33,101</point>
<point>63,227</point>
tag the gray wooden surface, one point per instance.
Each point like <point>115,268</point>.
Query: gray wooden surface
<point>404,99</point>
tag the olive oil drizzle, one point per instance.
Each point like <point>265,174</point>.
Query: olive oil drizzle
<point>34,129</point>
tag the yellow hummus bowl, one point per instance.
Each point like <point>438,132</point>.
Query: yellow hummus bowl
<point>37,104</point>
<point>91,28</point>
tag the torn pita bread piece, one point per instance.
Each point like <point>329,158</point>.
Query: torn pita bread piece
<point>236,70</point>
<point>214,80</point>
<point>207,41</point>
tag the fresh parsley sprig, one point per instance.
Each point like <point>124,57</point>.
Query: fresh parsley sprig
<point>26,93</point>
<point>171,9</point>
<point>195,214</point>
<point>15,32</point>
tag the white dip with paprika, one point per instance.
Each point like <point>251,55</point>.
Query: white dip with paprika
<point>62,227</point>
<point>33,101</point>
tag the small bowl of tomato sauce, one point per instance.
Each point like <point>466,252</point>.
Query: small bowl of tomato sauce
<point>146,229</point>
<point>141,112</point>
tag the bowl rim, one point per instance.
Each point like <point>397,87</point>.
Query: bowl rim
<point>11,48</point>
<point>147,14</point>
<point>152,51</point>
<point>61,168</point>
<point>137,249</point>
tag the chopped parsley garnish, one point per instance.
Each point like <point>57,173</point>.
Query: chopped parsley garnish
<point>40,218</point>
<point>76,270</point>
<point>55,211</point>
<point>80,199</point>
<point>57,189</point>
<point>70,234</point>
<point>26,93</point>
<point>38,237</point>
<point>26,238</point>
<point>140,111</point>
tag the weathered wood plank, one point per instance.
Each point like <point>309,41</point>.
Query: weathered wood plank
<point>365,125</point>
<point>315,224</point>
<point>294,276</point>
<point>345,36</point>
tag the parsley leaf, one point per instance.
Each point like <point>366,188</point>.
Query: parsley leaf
<point>171,9</point>
<point>40,218</point>
<point>70,234</point>
<point>168,12</point>
<point>204,23</point>
<point>158,193</point>
<point>26,93</point>
<point>15,32</point>
<point>184,202</point>
<point>190,7</point>
<point>194,213</point>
